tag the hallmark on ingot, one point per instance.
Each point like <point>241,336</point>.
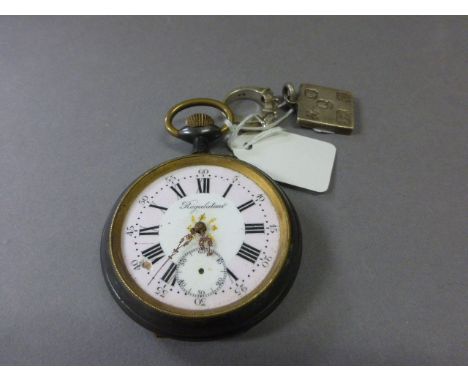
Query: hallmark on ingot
<point>325,109</point>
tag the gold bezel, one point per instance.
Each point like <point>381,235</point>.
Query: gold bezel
<point>116,227</point>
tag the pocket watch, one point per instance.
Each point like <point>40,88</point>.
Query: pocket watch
<point>204,245</point>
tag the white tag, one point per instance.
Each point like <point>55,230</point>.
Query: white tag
<point>290,158</point>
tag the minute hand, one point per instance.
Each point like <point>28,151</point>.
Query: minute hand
<point>182,243</point>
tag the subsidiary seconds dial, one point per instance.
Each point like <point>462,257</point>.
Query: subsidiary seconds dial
<point>200,275</point>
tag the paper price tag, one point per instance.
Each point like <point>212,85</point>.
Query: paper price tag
<point>290,158</point>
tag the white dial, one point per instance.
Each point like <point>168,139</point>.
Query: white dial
<point>201,237</point>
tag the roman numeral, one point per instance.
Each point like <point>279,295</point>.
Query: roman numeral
<point>231,275</point>
<point>254,228</point>
<point>158,207</point>
<point>249,253</point>
<point>246,205</point>
<point>149,231</point>
<point>203,185</point>
<point>169,275</point>
<point>154,253</point>
<point>178,190</point>
<point>227,190</point>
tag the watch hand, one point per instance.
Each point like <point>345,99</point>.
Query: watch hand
<point>182,243</point>
<point>206,239</point>
<point>199,228</point>
<point>162,266</point>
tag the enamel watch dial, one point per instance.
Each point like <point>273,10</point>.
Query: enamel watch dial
<point>200,247</point>
<point>178,267</point>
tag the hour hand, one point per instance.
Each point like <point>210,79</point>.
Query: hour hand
<point>206,243</point>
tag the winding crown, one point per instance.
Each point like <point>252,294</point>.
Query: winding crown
<point>199,120</point>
